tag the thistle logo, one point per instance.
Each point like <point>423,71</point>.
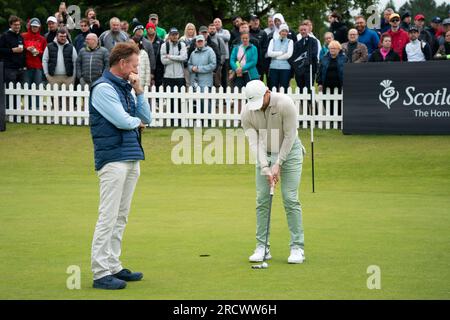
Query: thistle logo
<point>389,94</point>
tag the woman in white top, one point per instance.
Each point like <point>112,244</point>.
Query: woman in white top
<point>280,50</point>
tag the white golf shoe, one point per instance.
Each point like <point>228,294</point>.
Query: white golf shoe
<point>297,256</point>
<point>258,255</point>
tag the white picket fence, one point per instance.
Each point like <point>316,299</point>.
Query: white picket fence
<point>178,108</point>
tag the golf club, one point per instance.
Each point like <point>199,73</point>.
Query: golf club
<point>264,264</point>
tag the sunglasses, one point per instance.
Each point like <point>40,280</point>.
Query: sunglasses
<point>395,20</point>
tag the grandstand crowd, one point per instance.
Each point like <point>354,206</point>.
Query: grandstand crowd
<point>209,55</point>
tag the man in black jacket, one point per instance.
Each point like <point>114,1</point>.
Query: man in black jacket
<point>52,25</point>
<point>259,34</point>
<point>338,28</point>
<point>94,24</point>
<point>425,35</point>
<point>235,33</point>
<point>156,43</point>
<point>138,34</point>
<point>406,21</point>
<point>305,54</point>
<point>12,52</point>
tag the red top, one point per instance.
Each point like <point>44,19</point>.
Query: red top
<point>36,40</point>
<point>399,41</point>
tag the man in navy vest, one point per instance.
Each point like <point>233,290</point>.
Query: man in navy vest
<point>59,60</point>
<point>116,119</point>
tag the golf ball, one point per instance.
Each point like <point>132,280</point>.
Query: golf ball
<point>265,265</point>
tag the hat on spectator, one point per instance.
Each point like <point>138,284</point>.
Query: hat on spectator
<point>254,92</point>
<point>436,20</point>
<point>52,19</point>
<point>446,21</point>
<point>173,30</point>
<point>153,16</point>
<point>419,17</point>
<point>203,29</point>
<point>394,15</point>
<point>413,28</point>
<point>284,26</point>
<point>406,14</point>
<point>150,25</point>
<point>136,25</point>
<point>235,17</point>
<point>35,22</point>
<point>254,17</point>
<point>199,38</point>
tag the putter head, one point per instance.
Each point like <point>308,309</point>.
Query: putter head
<point>263,265</point>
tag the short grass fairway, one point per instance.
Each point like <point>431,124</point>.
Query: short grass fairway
<point>380,201</point>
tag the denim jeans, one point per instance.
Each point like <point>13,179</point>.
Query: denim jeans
<point>33,76</point>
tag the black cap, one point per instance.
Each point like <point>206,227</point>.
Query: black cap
<point>406,14</point>
<point>436,20</point>
<point>254,17</point>
<point>413,28</point>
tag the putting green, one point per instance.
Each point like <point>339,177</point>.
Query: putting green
<point>380,200</point>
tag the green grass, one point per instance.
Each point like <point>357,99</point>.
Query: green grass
<point>380,200</point>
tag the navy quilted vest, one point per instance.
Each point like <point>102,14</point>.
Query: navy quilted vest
<point>110,143</point>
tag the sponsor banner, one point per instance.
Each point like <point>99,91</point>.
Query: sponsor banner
<point>397,98</point>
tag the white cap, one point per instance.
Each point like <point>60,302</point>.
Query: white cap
<point>199,38</point>
<point>254,92</point>
<point>284,26</point>
<point>52,19</point>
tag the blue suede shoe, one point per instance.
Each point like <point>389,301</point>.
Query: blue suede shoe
<point>127,275</point>
<point>109,283</point>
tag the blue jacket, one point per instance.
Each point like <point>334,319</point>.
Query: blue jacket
<point>80,41</point>
<point>112,144</point>
<point>323,51</point>
<point>371,39</point>
<point>283,46</point>
<point>205,60</point>
<point>325,62</point>
<point>251,55</point>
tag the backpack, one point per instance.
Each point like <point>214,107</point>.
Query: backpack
<point>168,47</point>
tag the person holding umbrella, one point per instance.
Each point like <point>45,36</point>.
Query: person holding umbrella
<point>269,120</point>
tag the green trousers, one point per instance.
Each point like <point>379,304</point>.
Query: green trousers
<point>291,171</point>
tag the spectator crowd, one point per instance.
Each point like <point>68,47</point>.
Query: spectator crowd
<point>211,56</point>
